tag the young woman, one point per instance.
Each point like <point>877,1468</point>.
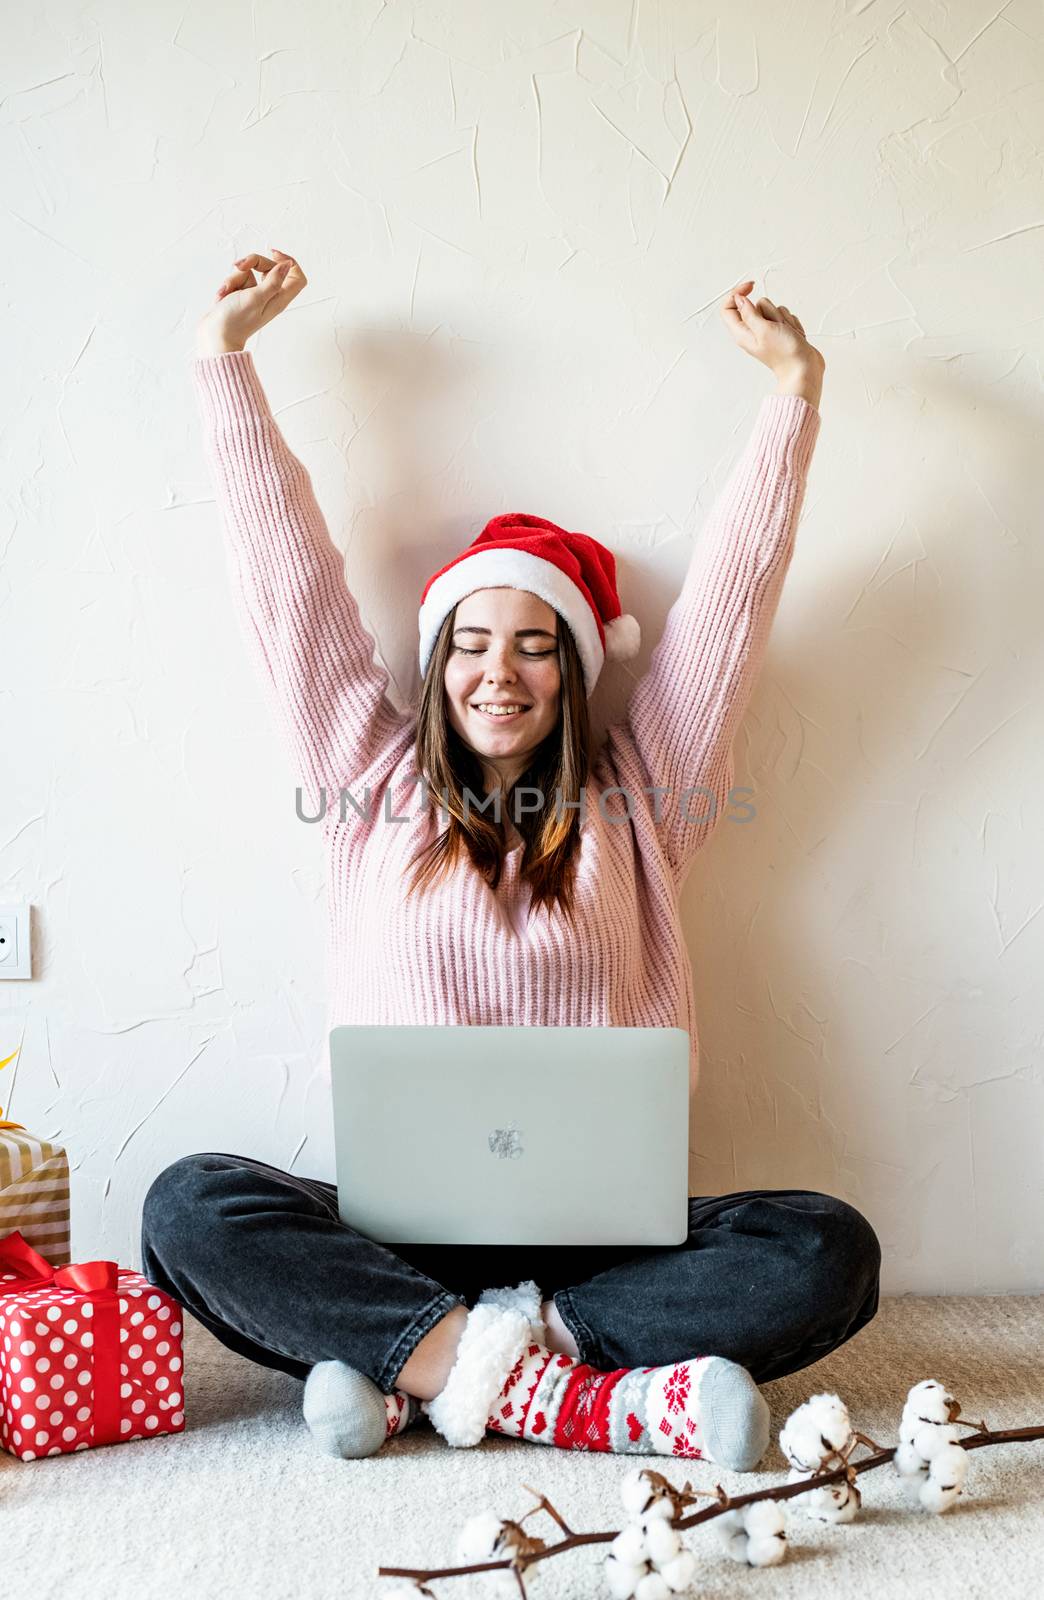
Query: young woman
<point>560,911</point>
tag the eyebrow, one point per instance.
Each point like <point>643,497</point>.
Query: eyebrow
<point>520,633</point>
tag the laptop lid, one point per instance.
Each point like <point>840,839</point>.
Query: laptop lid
<point>451,1135</point>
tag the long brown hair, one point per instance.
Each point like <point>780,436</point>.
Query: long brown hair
<point>559,769</point>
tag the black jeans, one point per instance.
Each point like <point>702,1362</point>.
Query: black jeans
<point>771,1279</point>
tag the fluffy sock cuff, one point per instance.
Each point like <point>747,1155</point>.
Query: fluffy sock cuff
<point>498,1328</point>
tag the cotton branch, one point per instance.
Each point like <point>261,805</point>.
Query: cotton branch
<point>528,1552</point>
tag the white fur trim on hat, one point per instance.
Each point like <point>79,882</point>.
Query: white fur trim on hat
<point>497,1330</point>
<point>515,569</point>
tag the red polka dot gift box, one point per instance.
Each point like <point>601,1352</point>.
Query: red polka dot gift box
<point>89,1354</point>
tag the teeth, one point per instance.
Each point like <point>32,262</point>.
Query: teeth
<point>501,711</point>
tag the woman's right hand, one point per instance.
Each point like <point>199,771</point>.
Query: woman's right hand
<point>243,304</point>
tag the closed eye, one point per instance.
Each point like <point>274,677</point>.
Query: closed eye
<point>534,655</point>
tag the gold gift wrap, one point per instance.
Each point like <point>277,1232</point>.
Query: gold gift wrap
<point>34,1192</point>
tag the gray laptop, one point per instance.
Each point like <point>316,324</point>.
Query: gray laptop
<point>442,1135</point>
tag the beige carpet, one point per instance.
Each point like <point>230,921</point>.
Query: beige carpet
<point>241,1505</point>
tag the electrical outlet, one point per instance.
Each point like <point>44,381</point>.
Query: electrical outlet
<point>15,954</point>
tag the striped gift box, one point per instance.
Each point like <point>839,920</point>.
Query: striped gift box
<point>34,1193</point>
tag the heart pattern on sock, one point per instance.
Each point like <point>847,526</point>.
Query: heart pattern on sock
<point>700,1407</point>
<point>554,1399</point>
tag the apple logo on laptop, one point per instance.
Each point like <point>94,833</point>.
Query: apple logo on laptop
<point>506,1143</point>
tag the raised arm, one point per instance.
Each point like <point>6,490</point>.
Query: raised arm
<point>300,621</point>
<point>683,714</point>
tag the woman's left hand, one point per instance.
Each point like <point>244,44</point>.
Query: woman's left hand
<point>769,333</point>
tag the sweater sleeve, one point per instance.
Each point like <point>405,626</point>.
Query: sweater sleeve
<point>299,620</point>
<point>683,714</point>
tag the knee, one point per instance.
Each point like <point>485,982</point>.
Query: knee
<point>844,1256</point>
<point>176,1198</point>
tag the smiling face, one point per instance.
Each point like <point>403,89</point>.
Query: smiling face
<point>504,652</point>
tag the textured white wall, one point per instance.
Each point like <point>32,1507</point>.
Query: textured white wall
<point>517,222</point>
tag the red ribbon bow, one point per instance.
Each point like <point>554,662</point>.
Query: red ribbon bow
<point>97,1281</point>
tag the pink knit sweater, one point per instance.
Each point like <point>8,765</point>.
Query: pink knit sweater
<point>458,953</point>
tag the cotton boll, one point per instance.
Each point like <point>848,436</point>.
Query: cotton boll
<point>661,1507</point>
<point>831,1413</point>
<point>929,1401</point>
<point>794,1476</point>
<point>662,1541</point>
<point>754,1534</point>
<point>764,1519</point>
<point>950,1465</point>
<point>834,1502</point>
<point>731,1534</point>
<point>478,1537</point>
<point>766,1552</point>
<point>623,1577</point>
<point>629,1545</point>
<point>931,1437</point>
<point>926,1402</point>
<point>679,1573</point>
<point>938,1497</point>
<point>909,1462</point>
<point>831,1502</point>
<point>817,1430</point>
<point>635,1491</point>
<point>800,1440</point>
<point>652,1587</point>
<point>945,1481</point>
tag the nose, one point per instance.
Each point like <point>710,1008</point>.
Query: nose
<point>499,670</point>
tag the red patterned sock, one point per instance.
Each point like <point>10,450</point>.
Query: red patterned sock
<point>401,1410</point>
<point>702,1407</point>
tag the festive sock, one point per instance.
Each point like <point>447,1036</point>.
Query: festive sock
<point>348,1415</point>
<point>505,1380</point>
<point>703,1407</point>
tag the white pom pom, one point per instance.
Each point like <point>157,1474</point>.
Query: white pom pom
<point>478,1537</point>
<point>679,1573</point>
<point>652,1587</point>
<point>629,1546</point>
<point>623,638</point>
<point>663,1541</point>
<point>622,1577</point>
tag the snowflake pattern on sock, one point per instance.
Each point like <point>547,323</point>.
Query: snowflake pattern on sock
<point>401,1410</point>
<point>554,1399</point>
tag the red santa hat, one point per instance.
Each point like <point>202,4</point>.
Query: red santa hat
<point>574,573</point>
